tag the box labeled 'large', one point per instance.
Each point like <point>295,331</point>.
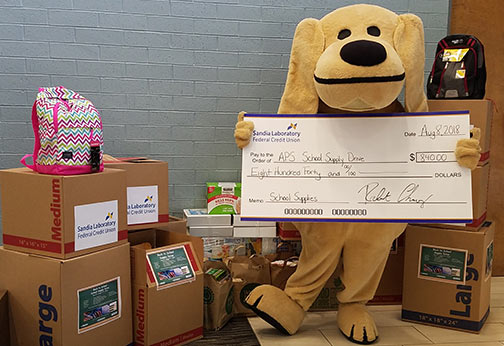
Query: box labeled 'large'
<point>63,216</point>
<point>447,275</point>
<point>147,190</point>
<point>78,302</point>
<point>167,282</point>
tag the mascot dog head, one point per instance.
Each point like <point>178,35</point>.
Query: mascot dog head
<point>356,58</point>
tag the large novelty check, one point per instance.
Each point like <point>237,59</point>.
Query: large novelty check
<point>369,168</point>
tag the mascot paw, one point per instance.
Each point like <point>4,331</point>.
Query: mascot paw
<point>356,323</point>
<point>275,307</point>
<point>243,131</point>
<point>468,151</point>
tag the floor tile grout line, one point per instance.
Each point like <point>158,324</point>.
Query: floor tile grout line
<point>253,329</point>
<point>423,334</point>
<point>325,337</point>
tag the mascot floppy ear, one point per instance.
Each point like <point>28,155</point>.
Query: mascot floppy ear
<point>409,44</point>
<point>299,94</point>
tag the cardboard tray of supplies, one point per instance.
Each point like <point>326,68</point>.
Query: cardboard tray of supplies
<point>200,218</point>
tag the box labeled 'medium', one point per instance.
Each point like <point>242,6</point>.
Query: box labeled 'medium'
<point>63,216</point>
<point>167,286</point>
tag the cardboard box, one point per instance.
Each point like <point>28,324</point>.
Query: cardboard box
<point>147,191</point>
<point>254,232</point>
<point>175,224</point>
<point>79,301</point>
<point>170,315</point>
<point>481,112</point>
<point>237,222</point>
<point>447,275</point>
<point>200,217</point>
<point>287,231</point>
<point>479,182</point>
<point>63,216</point>
<point>389,290</point>
<point>326,299</point>
<point>211,231</point>
<point>4,318</point>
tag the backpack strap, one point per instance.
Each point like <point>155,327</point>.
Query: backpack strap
<point>36,146</point>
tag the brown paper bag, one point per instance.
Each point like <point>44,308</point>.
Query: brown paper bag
<point>241,289</point>
<point>255,268</point>
<point>284,250</point>
<point>248,272</point>
<point>281,270</point>
<point>218,295</point>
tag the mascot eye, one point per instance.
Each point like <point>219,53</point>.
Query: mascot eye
<point>344,34</point>
<point>373,31</point>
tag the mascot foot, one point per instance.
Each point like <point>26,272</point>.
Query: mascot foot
<point>275,307</point>
<point>356,323</point>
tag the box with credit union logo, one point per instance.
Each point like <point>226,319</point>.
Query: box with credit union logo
<point>63,216</point>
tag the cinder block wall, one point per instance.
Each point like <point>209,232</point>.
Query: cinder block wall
<point>168,77</point>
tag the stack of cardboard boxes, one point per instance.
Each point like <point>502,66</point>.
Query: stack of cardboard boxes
<point>166,263</point>
<point>69,270</point>
<point>447,269</point>
<point>65,259</point>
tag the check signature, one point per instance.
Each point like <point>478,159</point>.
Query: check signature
<point>374,192</point>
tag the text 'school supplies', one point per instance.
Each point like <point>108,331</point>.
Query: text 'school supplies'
<point>63,216</point>
<point>78,302</point>
<point>147,189</point>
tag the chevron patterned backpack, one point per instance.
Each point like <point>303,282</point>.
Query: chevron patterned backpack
<point>68,134</point>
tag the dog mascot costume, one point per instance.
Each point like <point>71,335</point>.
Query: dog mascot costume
<point>355,59</point>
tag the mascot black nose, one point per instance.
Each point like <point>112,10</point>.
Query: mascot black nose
<point>363,53</point>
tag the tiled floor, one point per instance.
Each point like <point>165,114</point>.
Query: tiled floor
<point>320,328</point>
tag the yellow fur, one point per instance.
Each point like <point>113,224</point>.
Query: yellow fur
<point>363,247</point>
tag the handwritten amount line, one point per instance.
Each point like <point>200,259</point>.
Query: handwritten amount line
<point>318,178</point>
<point>360,172</point>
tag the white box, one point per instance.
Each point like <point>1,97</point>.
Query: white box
<point>211,231</point>
<point>200,217</point>
<point>255,232</point>
<point>238,222</point>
